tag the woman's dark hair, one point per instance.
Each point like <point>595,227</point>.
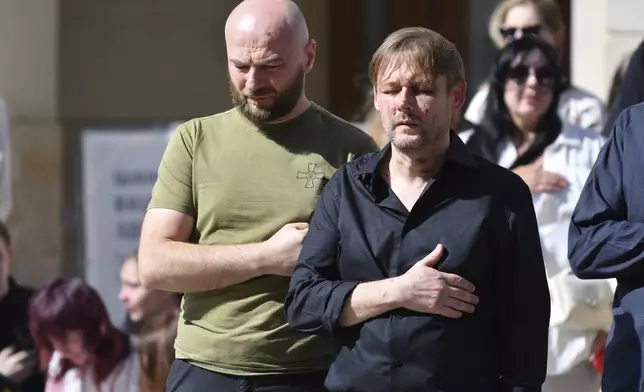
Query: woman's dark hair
<point>497,122</point>
<point>72,305</point>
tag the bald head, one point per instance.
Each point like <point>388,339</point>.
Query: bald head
<point>265,20</point>
<point>269,54</point>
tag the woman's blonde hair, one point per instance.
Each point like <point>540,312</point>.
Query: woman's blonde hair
<point>156,351</point>
<point>549,13</point>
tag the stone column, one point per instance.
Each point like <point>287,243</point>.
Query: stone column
<point>28,84</point>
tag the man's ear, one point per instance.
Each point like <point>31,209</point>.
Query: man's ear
<point>375,98</point>
<point>310,51</point>
<point>458,95</point>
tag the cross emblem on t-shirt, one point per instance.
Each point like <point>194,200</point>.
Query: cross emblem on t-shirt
<point>311,175</point>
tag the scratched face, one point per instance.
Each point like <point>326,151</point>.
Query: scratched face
<point>415,108</point>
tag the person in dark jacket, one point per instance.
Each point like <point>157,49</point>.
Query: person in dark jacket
<point>606,240</point>
<point>631,90</point>
<point>18,363</point>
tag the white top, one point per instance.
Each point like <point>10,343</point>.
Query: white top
<point>576,107</point>
<point>125,378</point>
<point>5,164</point>
<point>579,309</point>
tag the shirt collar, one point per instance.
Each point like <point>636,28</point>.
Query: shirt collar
<point>457,153</point>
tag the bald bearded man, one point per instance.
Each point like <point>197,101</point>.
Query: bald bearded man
<point>230,209</point>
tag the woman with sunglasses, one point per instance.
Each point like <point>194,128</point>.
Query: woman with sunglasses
<point>522,132</point>
<point>514,19</point>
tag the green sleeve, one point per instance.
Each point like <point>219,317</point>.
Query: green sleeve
<point>173,188</point>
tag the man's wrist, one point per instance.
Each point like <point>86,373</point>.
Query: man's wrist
<point>262,257</point>
<point>396,293</point>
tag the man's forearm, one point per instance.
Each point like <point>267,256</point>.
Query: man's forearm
<point>181,267</point>
<point>369,300</point>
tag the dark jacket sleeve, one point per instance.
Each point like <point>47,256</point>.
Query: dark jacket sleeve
<point>631,90</point>
<point>602,243</point>
<point>316,294</point>
<point>525,351</point>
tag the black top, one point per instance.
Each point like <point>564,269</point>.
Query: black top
<point>360,231</point>
<point>606,240</point>
<point>14,331</point>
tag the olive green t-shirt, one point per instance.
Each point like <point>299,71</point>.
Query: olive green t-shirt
<point>242,183</point>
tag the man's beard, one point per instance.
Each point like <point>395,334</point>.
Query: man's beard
<point>283,102</point>
<point>427,134</point>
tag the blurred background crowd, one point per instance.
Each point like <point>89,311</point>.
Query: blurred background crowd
<point>90,91</point>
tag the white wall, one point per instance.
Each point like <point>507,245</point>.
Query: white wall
<point>602,32</point>
<point>29,85</point>
<point>28,56</point>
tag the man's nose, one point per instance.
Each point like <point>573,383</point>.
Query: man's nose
<point>253,79</point>
<point>403,99</point>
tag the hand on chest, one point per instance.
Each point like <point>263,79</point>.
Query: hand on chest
<point>391,242</point>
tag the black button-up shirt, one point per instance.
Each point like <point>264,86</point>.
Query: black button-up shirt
<point>361,232</point>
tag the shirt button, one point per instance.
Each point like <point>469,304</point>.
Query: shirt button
<point>396,363</point>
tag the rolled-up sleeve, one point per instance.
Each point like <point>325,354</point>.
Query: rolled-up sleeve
<point>525,351</point>
<point>602,243</point>
<point>317,293</point>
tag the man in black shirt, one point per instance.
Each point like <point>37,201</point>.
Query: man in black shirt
<point>18,362</point>
<point>424,260</point>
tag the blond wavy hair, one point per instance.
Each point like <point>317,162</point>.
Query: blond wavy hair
<point>548,10</point>
<point>422,49</point>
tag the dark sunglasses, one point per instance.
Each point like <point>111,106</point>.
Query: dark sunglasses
<point>509,33</point>
<point>545,75</point>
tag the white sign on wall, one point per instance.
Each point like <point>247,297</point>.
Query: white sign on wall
<point>119,168</point>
